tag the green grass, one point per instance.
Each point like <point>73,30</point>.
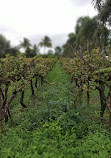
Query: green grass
<point>51,128</point>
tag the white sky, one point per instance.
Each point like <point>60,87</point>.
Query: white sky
<point>34,19</point>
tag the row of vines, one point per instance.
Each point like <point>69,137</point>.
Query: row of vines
<point>92,71</point>
<point>17,73</point>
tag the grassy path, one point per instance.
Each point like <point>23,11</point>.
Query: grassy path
<point>58,93</point>
<point>50,128</point>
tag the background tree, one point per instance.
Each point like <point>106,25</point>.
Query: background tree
<point>35,49</point>
<point>50,52</point>
<point>66,49</point>
<point>25,44</point>
<point>101,36</point>
<point>104,8</point>
<point>13,51</point>
<point>89,33</point>
<point>28,52</point>
<point>31,52</point>
<point>4,46</point>
<point>46,43</point>
<point>86,27</point>
<point>58,51</point>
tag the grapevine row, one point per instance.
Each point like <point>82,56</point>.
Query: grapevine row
<point>16,73</point>
<point>92,71</point>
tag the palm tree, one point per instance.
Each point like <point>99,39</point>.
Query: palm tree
<point>35,49</point>
<point>46,42</point>
<point>25,44</point>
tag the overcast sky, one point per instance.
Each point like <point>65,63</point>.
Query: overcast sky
<point>34,19</point>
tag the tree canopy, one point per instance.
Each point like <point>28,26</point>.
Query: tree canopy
<point>104,8</point>
<point>4,45</point>
<point>89,34</point>
<point>58,51</point>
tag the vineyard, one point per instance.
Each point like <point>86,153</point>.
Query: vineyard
<point>55,79</point>
<point>47,106</point>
